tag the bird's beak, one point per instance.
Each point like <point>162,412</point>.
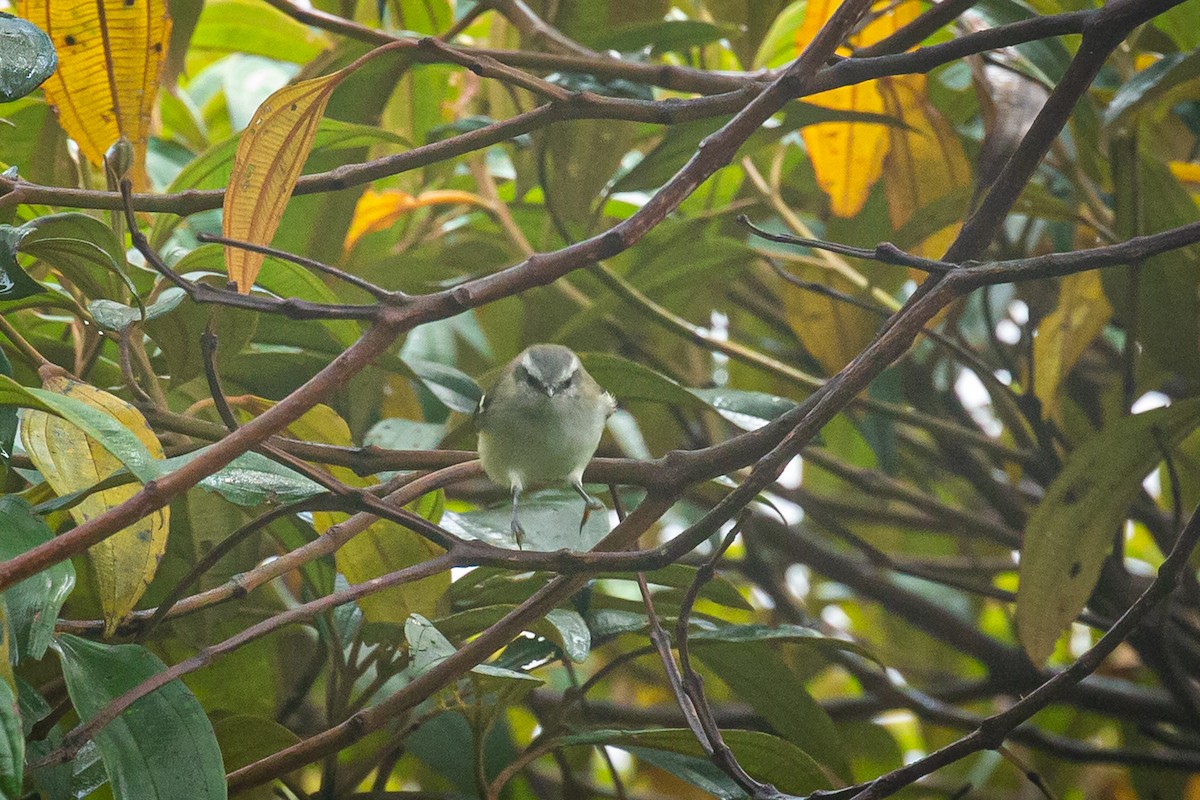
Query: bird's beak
<point>549,390</point>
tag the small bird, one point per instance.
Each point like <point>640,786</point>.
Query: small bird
<point>542,421</point>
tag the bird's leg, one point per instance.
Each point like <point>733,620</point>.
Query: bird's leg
<point>590,503</point>
<point>518,531</point>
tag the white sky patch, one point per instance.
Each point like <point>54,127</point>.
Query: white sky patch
<point>792,474</point>
<point>796,578</point>
<point>1008,331</point>
<point>835,617</point>
<point>1018,311</point>
<point>760,598</point>
<point>975,399</point>
<point>792,513</point>
<point>620,759</point>
<point>1081,639</point>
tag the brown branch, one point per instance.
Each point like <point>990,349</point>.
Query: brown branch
<point>732,96</point>
<point>718,151</point>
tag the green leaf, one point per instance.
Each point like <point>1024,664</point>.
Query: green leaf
<point>1070,532</point>
<point>672,35</point>
<point>796,634</point>
<point>550,519</point>
<point>758,675</point>
<point>765,757</point>
<point>12,739</point>
<point>245,739</point>
<point>14,283</point>
<point>747,410</point>
<point>1161,84</point>
<point>1046,59</point>
<point>29,57</point>
<point>245,26</point>
<point>1148,199</point>
<point>563,627</point>
<point>116,317</point>
<point>384,547</point>
<point>428,647</point>
<point>681,576</point>
<point>82,248</point>
<point>452,387</point>
<point>8,422</point>
<point>160,748</point>
<point>249,480</point>
<point>34,603</point>
<point>102,427</point>
<point>628,380</point>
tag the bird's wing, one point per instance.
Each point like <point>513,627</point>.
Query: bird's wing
<point>481,410</point>
<point>610,403</point>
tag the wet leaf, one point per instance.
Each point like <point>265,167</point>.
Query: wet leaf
<point>14,283</point>
<point>29,57</point>
<point>563,627</point>
<point>114,316</point>
<point>454,388</point>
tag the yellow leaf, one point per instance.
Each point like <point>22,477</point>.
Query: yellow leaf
<point>1063,336</point>
<point>377,210</point>
<point>110,54</point>
<point>383,547</point>
<point>925,161</point>
<point>386,547</point>
<point>1188,174</point>
<point>833,332</point>
<point>847,157</point>
<point>70,460</point>
<point>269,157</point>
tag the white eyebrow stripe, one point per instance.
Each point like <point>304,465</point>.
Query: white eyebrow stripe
<point>530,367</point>
<point>574,364</point>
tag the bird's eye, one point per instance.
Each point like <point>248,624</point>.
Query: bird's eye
<point>532,381</point>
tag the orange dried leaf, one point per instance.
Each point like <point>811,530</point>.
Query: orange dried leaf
<point>377,210</point>
<point>110,55</point>
<point>269,157</point>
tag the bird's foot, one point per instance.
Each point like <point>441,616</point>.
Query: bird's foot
<point>518,534</point>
